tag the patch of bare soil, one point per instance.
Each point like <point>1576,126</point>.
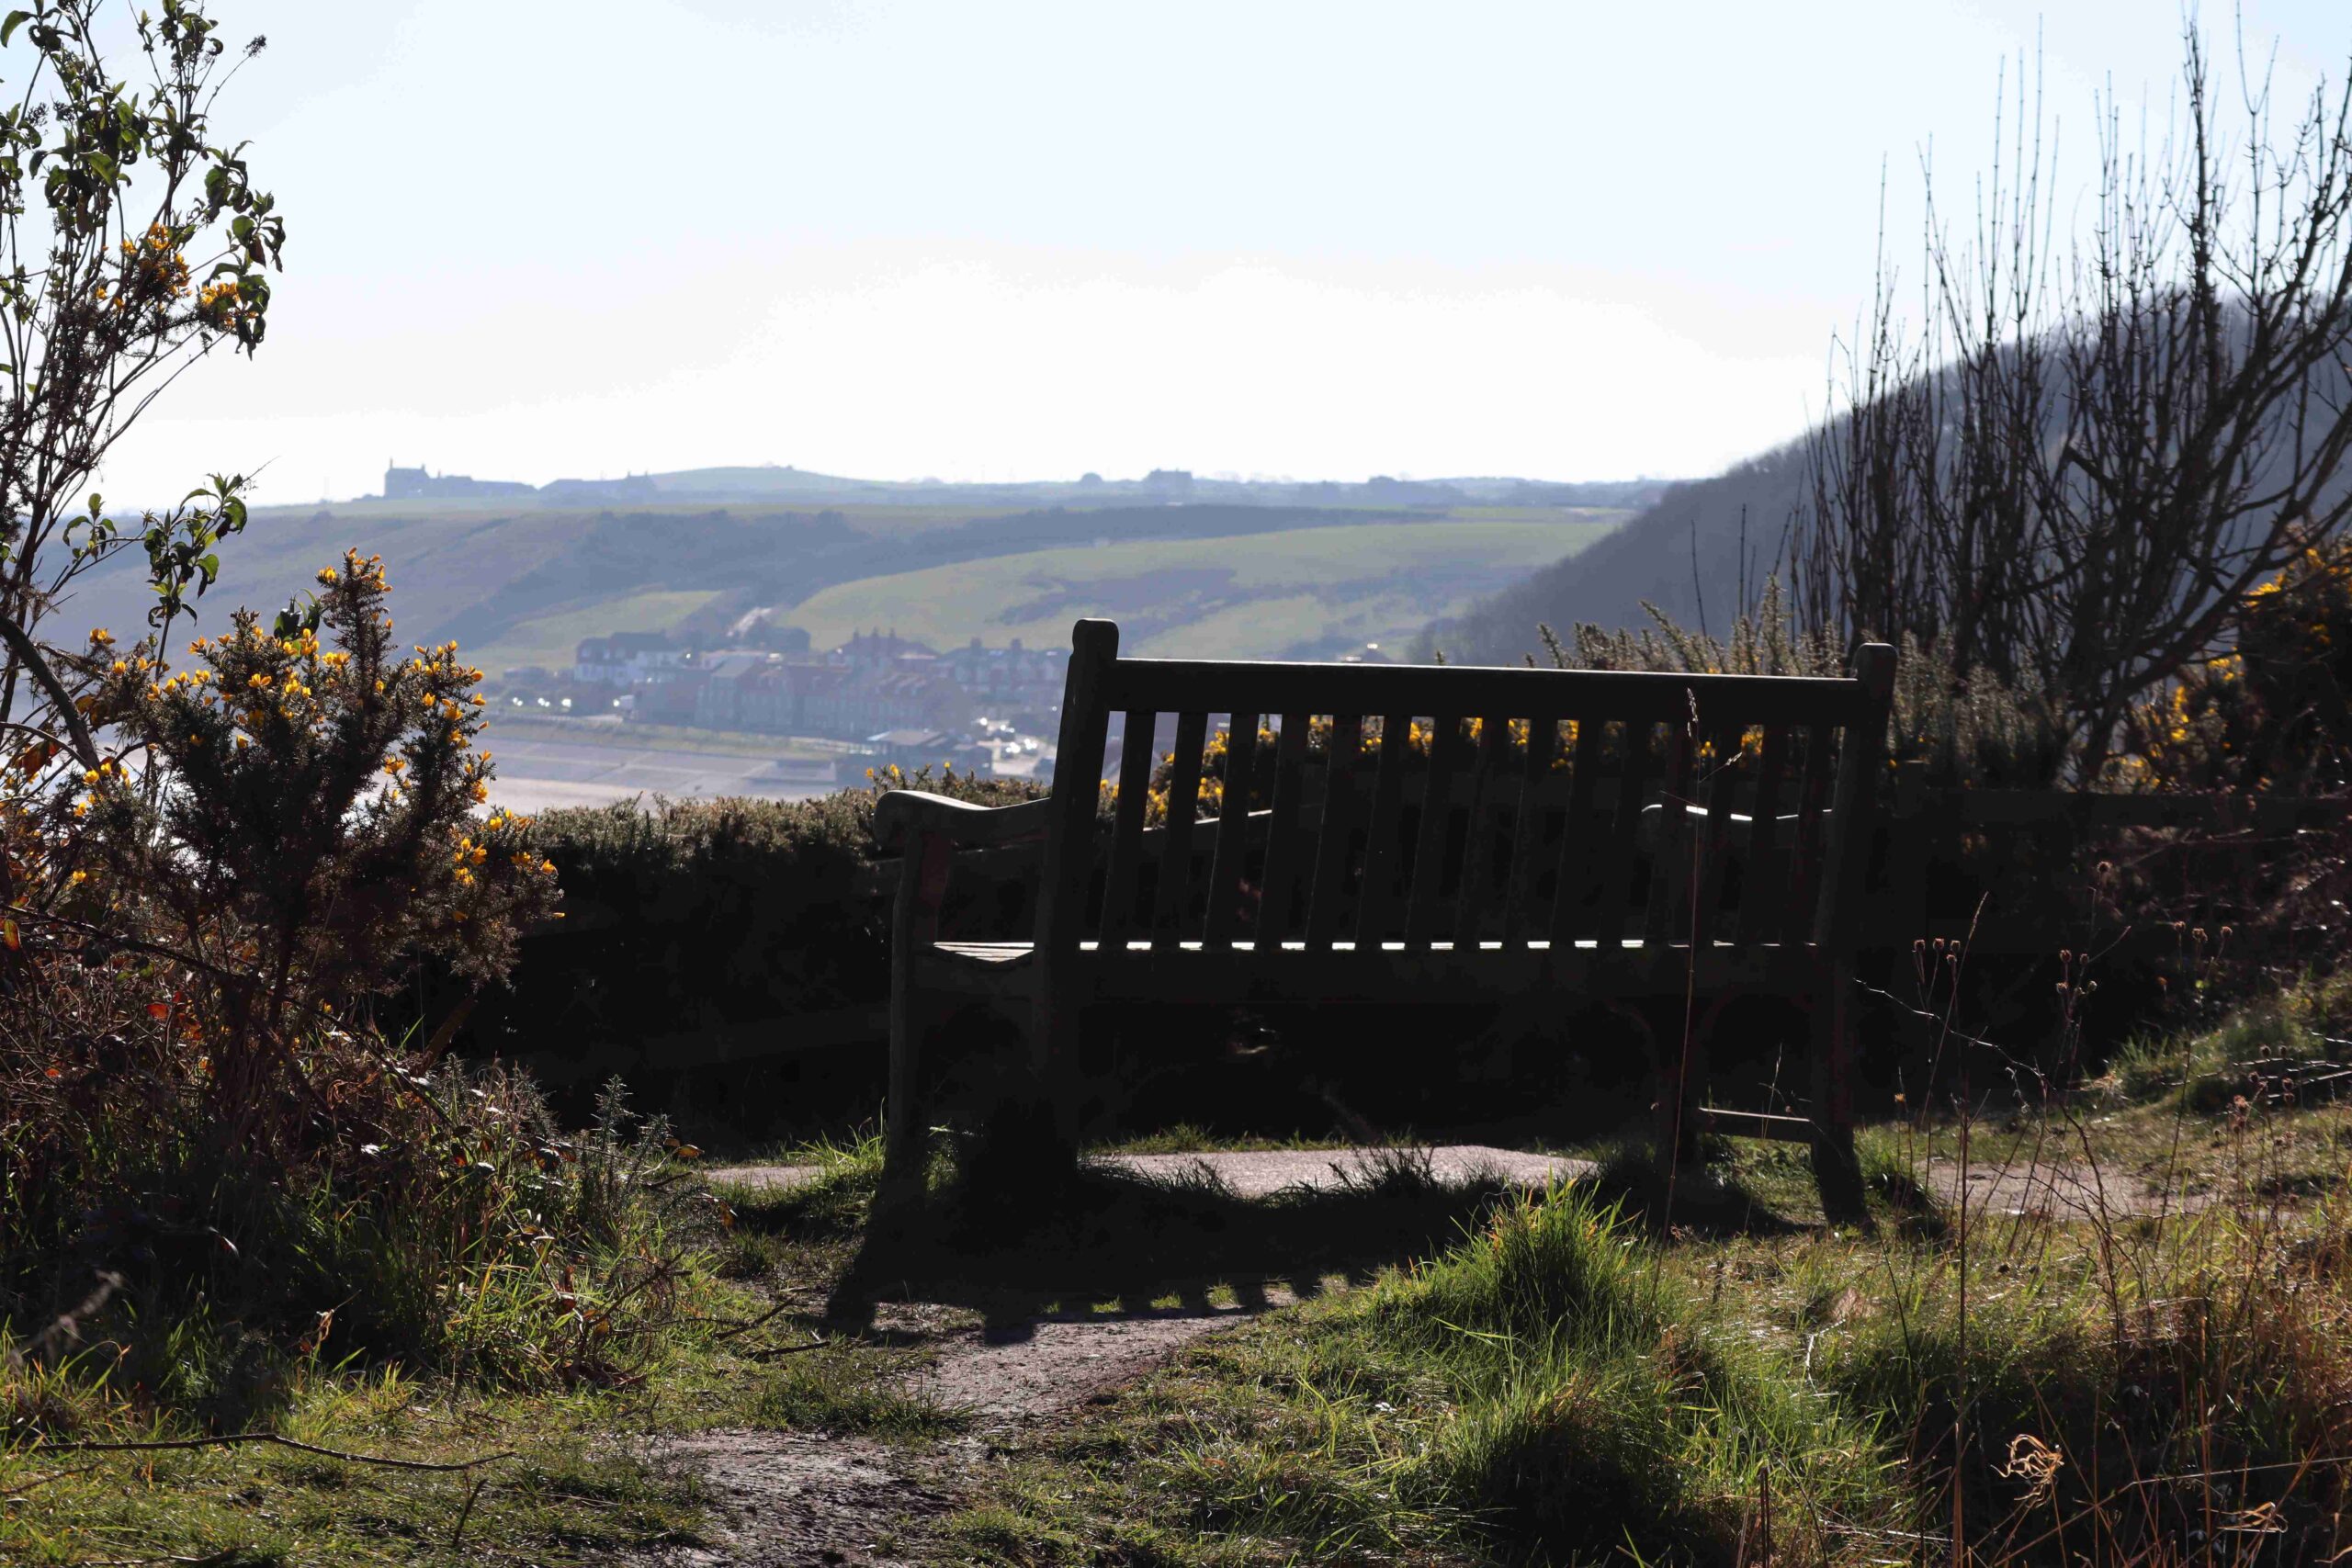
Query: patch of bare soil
<point>2059,1191</point>
<point>790,1498</point>
<point>794,1498</point>
<point>1004,1375</point>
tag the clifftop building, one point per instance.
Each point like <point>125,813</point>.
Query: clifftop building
<point>419,484</point>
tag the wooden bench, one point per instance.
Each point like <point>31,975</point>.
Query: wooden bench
<point>1585,834</point>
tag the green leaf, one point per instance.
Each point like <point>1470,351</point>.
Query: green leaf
<point>7,29</point>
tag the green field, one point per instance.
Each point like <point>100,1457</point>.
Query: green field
<point>522,584</point>
<point>1306,592</point>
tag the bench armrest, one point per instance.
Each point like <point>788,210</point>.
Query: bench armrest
<point>905,813</point>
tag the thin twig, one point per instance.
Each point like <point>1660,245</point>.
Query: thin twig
<point>745,1326</point>
<point>237,1438</point>
<point>458,1536</point>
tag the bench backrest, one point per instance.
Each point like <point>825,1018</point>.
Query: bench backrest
<point>1523,805</point>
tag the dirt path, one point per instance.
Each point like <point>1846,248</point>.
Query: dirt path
<point>793,1498</point>
<point>1261,1172</point>
<point>788,1499</point>
<point>2058,1192</point>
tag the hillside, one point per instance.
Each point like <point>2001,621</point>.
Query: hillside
<point>1294,593</point>
<point>1683,553</point>
<point>1691,550</point>
<point>519,582</point>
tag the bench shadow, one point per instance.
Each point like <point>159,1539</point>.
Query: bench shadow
<point>1110,1242</point>
<point>1113,1243</point>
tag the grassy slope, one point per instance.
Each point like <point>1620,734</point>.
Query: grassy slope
<point>522,584</point>
<point>1238,597</point>
<point>550,640</point>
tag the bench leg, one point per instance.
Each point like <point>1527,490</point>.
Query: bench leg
<point>903,1142</point>
<point>922,884</point>
<point>1057,1075</point>
<point>1836,1169</point>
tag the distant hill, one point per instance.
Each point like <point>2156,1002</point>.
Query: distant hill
<point>1682,553</point>
<point>518,582</point>
<point>1690,548</point>
<point>772,482</point>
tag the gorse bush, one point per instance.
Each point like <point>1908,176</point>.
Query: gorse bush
<point>2273,712</point>
<point>217,1169</point>
<point>300,832</point>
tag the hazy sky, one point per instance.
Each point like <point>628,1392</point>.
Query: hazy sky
<point>538,237</point>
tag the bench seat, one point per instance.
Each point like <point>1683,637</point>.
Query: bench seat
<point>1386,973</point>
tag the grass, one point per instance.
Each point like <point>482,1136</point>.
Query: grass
<point>550,641</point>
<point>1187,1139</point>
<point>1244,597</point>
<point>1463,1375</point>
<point>1576,1381</point>
<point>566,1493</point>
<point>578,1474</point>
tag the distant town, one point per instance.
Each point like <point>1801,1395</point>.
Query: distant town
<point>880,698</point>
<point>980,709</point>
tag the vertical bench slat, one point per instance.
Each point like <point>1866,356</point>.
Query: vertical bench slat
<point>1617,856</point>
<point>1383,855</point>
<point>1579,843</point>
<point>1725,772</point>
<point>1789,921</point>
<point>1667,918</point>
<point>1760,885</point>
<point>1335,838</point>
<point>1279,894</point>
<point>1437,823</point>
<point>1232,830</point>
<point>1183,808</point>
<point>1472,905</point>
<point>1136,760</point>
<point>1542,744</point>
